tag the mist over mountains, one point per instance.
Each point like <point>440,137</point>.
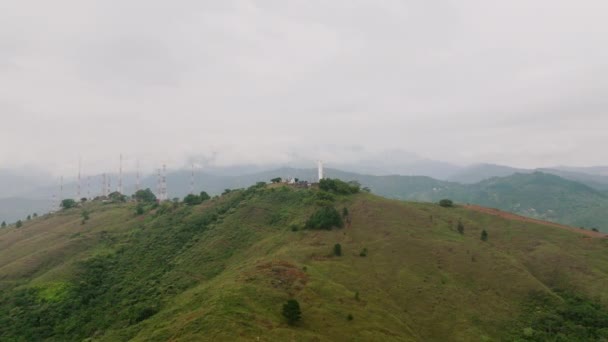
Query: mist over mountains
<point>398,175</point>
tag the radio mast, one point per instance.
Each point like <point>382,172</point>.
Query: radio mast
<point>79,182</point>
<point>120,176</point>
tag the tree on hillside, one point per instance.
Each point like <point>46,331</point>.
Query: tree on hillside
<point>146,196</point>
<point>338,249</point>
<point>35,215</point>
<point>276,180</point>
<point>3,224</point>
<point>325,218</point>
<point>484,235</point>
<point>19,224</point>
<point>117,197</point>
<point>204,196</point>
<point>446,203</point>
<point>339,187</point>
<point>291,311</point>
<point>192,199</point>
<point>68,203</point>
<point>29,217</point>
<point>460,227</point>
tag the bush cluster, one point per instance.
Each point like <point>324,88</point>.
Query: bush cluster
<point>339,187</point>
<point>325,218</point>
<point>193,199</point>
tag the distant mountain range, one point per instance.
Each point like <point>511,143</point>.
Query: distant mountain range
<point>574,196</point>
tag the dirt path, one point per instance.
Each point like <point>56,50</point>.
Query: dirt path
<point>516,217</point>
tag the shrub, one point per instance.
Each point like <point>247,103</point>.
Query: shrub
<point>349,317</point>
<point>19,224</point>
<point>139,210</point>
<point>276,180</point>
<point>146,196</point>
<point>460,227</point>
<point>595,229</point>
<point>192,199</point>
<point>338,249</point>
<point>3,224</point>
<point>446,203</point>
<point>204,196</point>
<point>68,203</point>
<point>117,197</point>
<point>324,199</point>
<point>292,312</point>
<point>363,252</point>
<point>325,218</point>
<point>484,235</point>
<point>339,187</point>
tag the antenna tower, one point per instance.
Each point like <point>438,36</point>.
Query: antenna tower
<point>158,185</point>
<point>137,184</point>
<point>192,180</point>
<point>163,185</point>
<point>104,185</point>
<point>120,176</point>
<point>79,182</point>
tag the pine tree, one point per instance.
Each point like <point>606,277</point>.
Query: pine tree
<point>484,235</point>
<point>3,224</point>
<point>19,224</point>
<point>291,311</point>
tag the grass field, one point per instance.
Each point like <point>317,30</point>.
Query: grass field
<point>220,271</point>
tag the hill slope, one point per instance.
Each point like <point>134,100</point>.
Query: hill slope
<point>221,271</point>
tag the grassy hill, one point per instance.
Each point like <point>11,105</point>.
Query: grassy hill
<point>537,195</point>
<point>221,270</point>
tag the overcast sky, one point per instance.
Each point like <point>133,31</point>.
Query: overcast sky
<point>515,82</point>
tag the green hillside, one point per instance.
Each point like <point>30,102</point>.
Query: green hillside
<point>221,271</point>
<point>537,195</point>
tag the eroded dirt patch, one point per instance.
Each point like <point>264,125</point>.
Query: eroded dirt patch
<point>281,275</point>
